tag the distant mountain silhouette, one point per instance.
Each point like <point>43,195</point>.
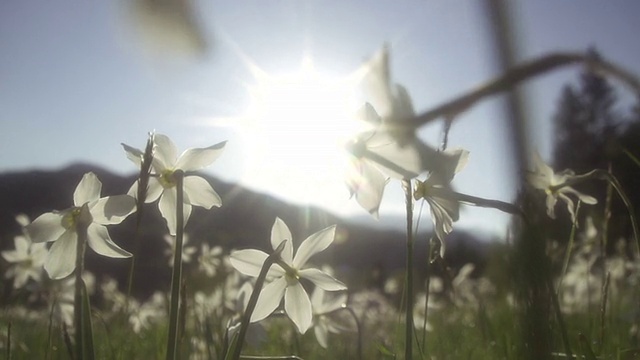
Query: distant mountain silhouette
<point>243,221</point>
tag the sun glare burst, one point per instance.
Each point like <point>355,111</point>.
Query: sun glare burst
<point>297,125</point>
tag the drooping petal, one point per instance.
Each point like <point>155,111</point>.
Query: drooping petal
<point>583,197</point>
<point>269,299</point>
<point>396,161</point>
<point>112,209</point>
<point>99,240</point>
<point>165,153</point>
<point>62,256</point>
<point>46,227</point>
<point>298,306</point>
<point>250,261</point>
<point>133,154</point>
<point>551,204</point>
<point>87,190</point>
<point>200,192</point>
<point>313,244</point>
<point>279,232</point>
<point>198,158</point>
<point>367,184</point>
<point>167,206</point>
<point>322,279</point>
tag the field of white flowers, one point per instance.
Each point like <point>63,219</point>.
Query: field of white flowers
<point>537,299</point>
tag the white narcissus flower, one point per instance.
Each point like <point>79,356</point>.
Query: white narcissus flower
<point>197,191</point>
<point>60,226</point>
<point>544,178</point>
<point>436,190</point>
<point>286,282</point>
<point>389,150</point>
<point>26,260</point>
<point>322,307</point>
<point>210,259</point>
<point>187,251</point>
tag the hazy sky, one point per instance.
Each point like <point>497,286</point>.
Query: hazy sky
<point>75,82</point>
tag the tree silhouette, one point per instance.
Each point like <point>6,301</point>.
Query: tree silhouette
<point>590,133</point>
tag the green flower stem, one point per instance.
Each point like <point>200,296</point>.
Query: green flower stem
<point>176,277</point>
<point>605,175</point>
<point>408,346</point>
<point>253,300</point>
<point>81,310</point>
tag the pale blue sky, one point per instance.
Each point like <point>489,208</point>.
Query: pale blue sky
<point>74,85</point>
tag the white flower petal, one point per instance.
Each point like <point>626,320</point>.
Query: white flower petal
<point>21,244</point>
<point>321,334</point>
<point>322,280</point>
<point>154,190</point>
<point>133,154</point>
<point>551,204</point>
<point>112,209</point>
<point>62,256</point>
<point>313,245</point>
<point>279,232</point>
<point>200,192</point>
<point>167,206</point>
<point>250,261</point>
<point>46,227</point>
<point>100,241</point>
<point>87,190</point>
<point>367,183</point>
<point>269,299</point>
<point>198,158</point>
<point>298,306</point>
<point>165,152</point>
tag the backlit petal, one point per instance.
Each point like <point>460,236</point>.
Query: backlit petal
<point>112,209</point>
<point>269,299</point>
<point>367,183</point>
<point>322,280</point>
<point>62,256</point>
<point>298,306</point>
<point>100,241</point>
<point>279,232</point>
<point>46,227</point>
<point>87,190</point>
<point>198,158</point>
<point>133,154</point>
<point>165,152</point>
<point>313,245</point>
<point>200,192</point>
<point>167,206</point>
<point>250,261</point>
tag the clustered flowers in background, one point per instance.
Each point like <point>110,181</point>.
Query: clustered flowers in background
<point>215,310</point>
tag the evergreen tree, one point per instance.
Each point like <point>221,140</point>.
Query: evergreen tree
<point>591,134</point>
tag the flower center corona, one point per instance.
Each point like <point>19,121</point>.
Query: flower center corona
<point>167,180</point>
<point>70,219</point>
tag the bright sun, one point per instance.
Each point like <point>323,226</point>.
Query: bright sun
<point>297,125</point>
